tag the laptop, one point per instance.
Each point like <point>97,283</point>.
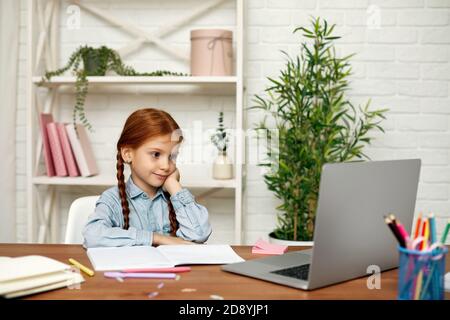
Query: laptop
<point>350,234</point>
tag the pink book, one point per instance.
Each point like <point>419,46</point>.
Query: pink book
<point>67,151</point>
<point>45,118</point>
<point>82,150</point>
<point>56,149</point>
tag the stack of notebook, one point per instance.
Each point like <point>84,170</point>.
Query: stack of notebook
<point>32,274</point>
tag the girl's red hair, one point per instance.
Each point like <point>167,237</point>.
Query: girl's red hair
<point>141,125</point>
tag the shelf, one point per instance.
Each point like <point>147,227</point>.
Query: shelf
<point>108,181</point>
<point>147,85</point>
<point>117,80</point>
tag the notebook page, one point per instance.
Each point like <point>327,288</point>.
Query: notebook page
<point>28,266</point>
<point>120,258</point>
<point>200,254</point>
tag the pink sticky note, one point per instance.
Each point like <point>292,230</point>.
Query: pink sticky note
<point>264,247</point>
<point>260,251</point>
<point>270,246</point>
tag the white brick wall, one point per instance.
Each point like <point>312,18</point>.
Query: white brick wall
<point>403,65</point>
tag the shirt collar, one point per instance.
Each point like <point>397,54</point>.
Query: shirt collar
<point>134,191</point>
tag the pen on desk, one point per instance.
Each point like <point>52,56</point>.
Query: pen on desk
<point>86,270</point>
<point>161,270</point>
<point>140,275</point>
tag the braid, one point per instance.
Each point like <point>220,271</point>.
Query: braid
<point>172,217</point>
<point>122,193</point>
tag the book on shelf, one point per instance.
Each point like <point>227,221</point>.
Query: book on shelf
<point>56,150</point>
<point>69,157</point>
<point>82,150</point>
<point>44,119</point>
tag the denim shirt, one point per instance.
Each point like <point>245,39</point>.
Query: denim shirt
<point>147,215</point>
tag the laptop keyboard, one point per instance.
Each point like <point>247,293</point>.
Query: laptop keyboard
<point>298,272</point>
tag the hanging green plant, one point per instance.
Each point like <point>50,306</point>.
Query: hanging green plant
<point>315,124</point>
<point>96,62</point>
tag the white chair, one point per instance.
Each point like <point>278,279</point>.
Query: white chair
<point>79,212</point>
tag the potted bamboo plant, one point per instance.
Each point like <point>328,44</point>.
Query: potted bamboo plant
<point>315,124</point>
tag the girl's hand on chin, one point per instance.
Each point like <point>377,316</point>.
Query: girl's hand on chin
<point>174,175</point>
<point>172,184</point>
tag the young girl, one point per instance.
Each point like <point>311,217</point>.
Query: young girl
<point>152,207</point>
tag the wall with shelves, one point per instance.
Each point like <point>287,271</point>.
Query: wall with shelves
<point>412,41</point>
<point>194,105</point>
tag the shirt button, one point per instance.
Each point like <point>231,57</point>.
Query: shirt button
<point>144,196</point>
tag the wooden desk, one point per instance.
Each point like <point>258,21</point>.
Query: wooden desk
<point>208,280</point>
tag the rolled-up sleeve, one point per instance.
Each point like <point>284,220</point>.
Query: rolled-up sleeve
<point>192,217</point>
<point>103,229</point>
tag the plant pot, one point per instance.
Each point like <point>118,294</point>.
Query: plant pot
<point>283,242</point>
<point>222,167</point>
<point>92,62</point>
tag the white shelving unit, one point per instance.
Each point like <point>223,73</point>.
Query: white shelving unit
<point>111,80</point>
<point>43,40</point>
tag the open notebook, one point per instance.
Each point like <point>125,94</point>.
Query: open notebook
<point>32,274</point>
<point>121,258</point>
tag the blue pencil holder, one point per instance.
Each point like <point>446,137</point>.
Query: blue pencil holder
<point>421,274</point>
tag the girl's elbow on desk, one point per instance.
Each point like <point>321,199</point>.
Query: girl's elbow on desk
<point>95,237</point>
<point>92,240</point>
<point>197,237</point>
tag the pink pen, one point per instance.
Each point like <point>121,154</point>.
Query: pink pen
<point>161,270</point>
<point>115,274</point>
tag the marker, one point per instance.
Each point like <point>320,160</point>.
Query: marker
<point>397,225</point>
<point>404,234</point>
<point>395,231</point>
<point>393,219</point>
<point>444,235</point>
<point>401,230</point>
<point>432,221</point>
<point>161,270</point>
<point>425,233</point>
<point>418,225</point>
<point>86,270</point>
